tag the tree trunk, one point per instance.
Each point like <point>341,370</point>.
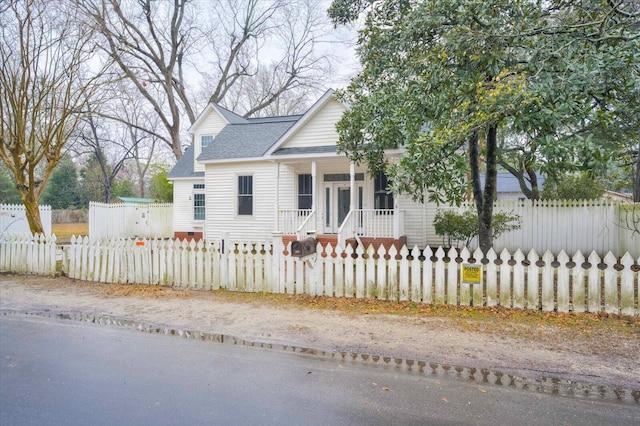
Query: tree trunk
<point>485,217</point>
<point>32,211</point>
<point>533,178</point>
<point>484,196</point>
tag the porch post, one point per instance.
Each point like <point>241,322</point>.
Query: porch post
<point>352,184</point>
<point>277,203</point>
<point>396,218</point>
<point>313,186</point>
<point>314,194</point>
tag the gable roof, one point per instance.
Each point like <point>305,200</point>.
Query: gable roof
<point>249,139</point>
<point>303,119</point>
<point>184,167</point>
<point>229,116</point>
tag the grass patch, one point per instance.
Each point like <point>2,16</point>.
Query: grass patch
<point>64,231</point>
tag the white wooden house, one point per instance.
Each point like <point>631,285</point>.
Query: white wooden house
<point>246,179</point>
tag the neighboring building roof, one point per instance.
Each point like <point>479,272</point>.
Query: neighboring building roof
<point>247,140</point>
<point>620,196</point>
<point>132,200</point>
<point>184,167</point>
<point>506,182</point>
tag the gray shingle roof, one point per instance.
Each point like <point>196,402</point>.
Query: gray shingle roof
<point>231,116</point>
<point>184,167</point>
<point>306,150</point>
<point>250,139</point>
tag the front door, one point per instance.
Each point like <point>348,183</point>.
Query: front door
<point>337,203</point>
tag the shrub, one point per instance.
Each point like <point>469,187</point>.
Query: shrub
<point>454,226</point>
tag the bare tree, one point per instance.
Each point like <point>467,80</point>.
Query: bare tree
<point>110,143</point>
<point>263,48</point>
<point>272,49</point>
<point>148,41</point>
<point>43,91</point>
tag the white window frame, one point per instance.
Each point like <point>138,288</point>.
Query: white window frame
<point>199,189</point>
<point>202,138</point>
<point>238,195</point>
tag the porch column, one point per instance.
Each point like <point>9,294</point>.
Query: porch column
<point>314,194</point>
<point>396,218</point>
<point>277,203</point>
<point>352,184</point>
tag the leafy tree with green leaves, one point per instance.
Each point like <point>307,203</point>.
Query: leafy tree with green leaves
<point>161,189</point>
<point>8,192</point>
<point>122,188</point>
<point>61,191</point>
<point>582,186</point>
<point>455,226</point>
<point>442,79</point>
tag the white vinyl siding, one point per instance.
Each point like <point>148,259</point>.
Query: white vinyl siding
<point>211,125</point>
<point>287,198</point>
<point>222,217</point>
<point>320,129</point>
<point>183,205</point>
<point>415,218</point>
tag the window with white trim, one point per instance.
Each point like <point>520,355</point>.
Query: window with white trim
<point>206,140</point>
<point>198,201</point>
<point>383,198</point>
<point>245,195</point>
<point>305,191</point>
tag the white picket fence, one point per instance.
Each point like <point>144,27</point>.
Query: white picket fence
<point>26,253</point>
<point>515,280</point>
<point>122,220</point>
<point>13,219</point>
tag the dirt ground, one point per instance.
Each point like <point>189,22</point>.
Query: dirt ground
<point>593,349</point>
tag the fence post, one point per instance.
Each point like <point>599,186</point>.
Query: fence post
<point>224,261</point>
<point>276,261</point>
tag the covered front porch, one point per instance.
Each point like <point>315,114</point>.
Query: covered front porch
<point>336,202</point>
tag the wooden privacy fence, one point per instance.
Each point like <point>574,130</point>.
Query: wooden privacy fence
<point>122,220</point>
<point>13,219</point>
<point>24,253</point>
<point>515,280</point>
<point>570,225</point>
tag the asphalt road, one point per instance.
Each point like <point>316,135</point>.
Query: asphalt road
<point>58,372</point>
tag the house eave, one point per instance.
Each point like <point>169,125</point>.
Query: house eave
<point>232,160</point>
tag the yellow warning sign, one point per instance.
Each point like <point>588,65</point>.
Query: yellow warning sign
<point>472,273</point>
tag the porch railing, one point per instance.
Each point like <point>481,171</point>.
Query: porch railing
<point>309,225</point>
<point>371,223</point>
<point>290,221</point>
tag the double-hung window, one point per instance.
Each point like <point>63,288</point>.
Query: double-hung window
<point>383,198</point>
<point>206,140</point>
<point>245,195</point>
<point>198,201</point>
<point>305,192</point>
